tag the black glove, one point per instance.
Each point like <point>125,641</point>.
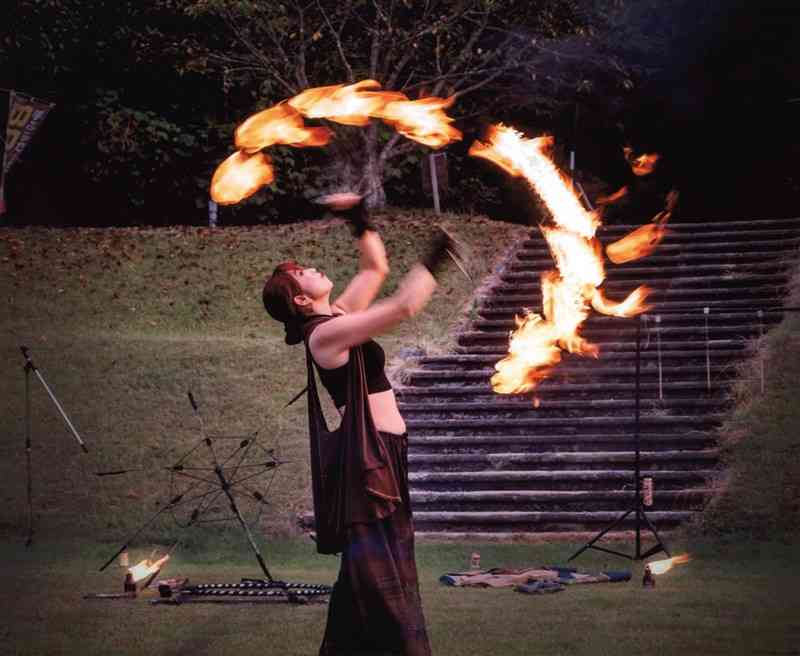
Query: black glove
<point>441,250</point>
<point>358,216</point>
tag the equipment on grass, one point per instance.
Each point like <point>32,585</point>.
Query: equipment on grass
<point>31,367</point>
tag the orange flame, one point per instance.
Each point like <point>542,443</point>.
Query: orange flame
<point>567,295</point>
<point>632,305</point>
<point>243,173</point>
<point>240,176</point>
<point>281,124</point>
<point>662,566</point>
<point>613,198</point>
<point>526,157</point>
<point>423,121</point>
<point>644,164</point>
<point>348,105</point>
<point>644,239</point>
<point>636,244</point>
<point>146,568</point>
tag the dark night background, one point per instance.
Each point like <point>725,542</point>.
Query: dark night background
<point>722,107</point>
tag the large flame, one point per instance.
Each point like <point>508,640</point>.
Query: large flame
<point>526,157</point>
<point>661,566</point>
<point>146,568</point>
<point>423,121</point>
<point>349,105</point>
<point>637,244</point>
<point>646,238</point>
<point>240,176</point>
<point>568,294</point>
<point>281,124</point>
<point>246,171</point>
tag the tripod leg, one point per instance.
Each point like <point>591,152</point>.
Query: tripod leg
<point>235,509</point>
<point>659,546</point>
<point>608,528</point>
<point>29,538</point>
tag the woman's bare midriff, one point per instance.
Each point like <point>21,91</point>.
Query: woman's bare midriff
<point>385,413</point>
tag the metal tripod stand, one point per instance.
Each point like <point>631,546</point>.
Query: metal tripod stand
<point>31,367</point>
<point>640,517</point>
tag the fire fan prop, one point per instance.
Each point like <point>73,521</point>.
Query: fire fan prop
<point>569,293</point>
<point>249,169</point>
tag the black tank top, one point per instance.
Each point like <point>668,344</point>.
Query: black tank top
<point>335,380</point>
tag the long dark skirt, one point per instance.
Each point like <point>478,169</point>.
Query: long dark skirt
<point>375,606</point>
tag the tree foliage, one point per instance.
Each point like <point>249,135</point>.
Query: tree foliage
<point>148,93</point>
<point>483,52</point>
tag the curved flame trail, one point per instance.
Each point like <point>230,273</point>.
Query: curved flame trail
<point>568,294</point>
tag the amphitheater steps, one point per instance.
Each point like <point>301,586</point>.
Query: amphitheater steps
<point>558,461</point>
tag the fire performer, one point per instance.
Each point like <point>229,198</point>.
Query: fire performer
<point>360,471</point>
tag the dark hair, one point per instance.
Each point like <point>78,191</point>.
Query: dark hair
<point>278,296</point>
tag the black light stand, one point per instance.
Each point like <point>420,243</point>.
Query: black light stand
<point>638,506</point>
<point>31,367</point>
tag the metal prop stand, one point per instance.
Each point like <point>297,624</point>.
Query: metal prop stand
<point>640,517</point>
<point>31,367</point>
<point>231,472</point>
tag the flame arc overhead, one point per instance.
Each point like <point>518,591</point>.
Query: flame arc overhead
<point>570,292</point>
<point>423,121</point>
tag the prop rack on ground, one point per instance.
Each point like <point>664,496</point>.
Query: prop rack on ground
<point>223,479</point>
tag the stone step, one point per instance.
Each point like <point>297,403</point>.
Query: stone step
<point>552,389</point>
<point>516,403</point>
<point>550,496</point>
<point>659,313</point>
<point>667,323</point>
<point>621,540</point>
<point>685,263</point>
<point>540,404</point>
<point>594,367</point>
<point>553,500</point>
<point>529,283</point>
<point>496,460</point>
<point>619,346</point>
<point>597,335</point>
<point>477,443</point>
<point>626,423</point>
<point>684,232</point>
<point>545,520</point>
<point>607,366</point>
<point>470,362</point>
<point>560,480</point>
<point>702,226</point>
<point>653,270</point>
<point>694,245</point>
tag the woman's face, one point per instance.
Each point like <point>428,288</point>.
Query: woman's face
<point>314,284</point>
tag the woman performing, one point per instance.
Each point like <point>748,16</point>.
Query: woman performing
<point>359,472</point>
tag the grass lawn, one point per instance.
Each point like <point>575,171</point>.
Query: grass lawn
<point>739,598</point>
<point>122,322</point>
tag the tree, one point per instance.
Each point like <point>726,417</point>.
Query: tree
<point>432,48</point>
<point>130,125</point>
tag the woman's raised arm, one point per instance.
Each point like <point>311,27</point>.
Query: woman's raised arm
<point>335,337</point>
<point>373,269</point>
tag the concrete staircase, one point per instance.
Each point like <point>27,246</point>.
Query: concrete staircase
<point>489,465</point>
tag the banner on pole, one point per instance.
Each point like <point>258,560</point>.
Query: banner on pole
<point>25,115</point>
